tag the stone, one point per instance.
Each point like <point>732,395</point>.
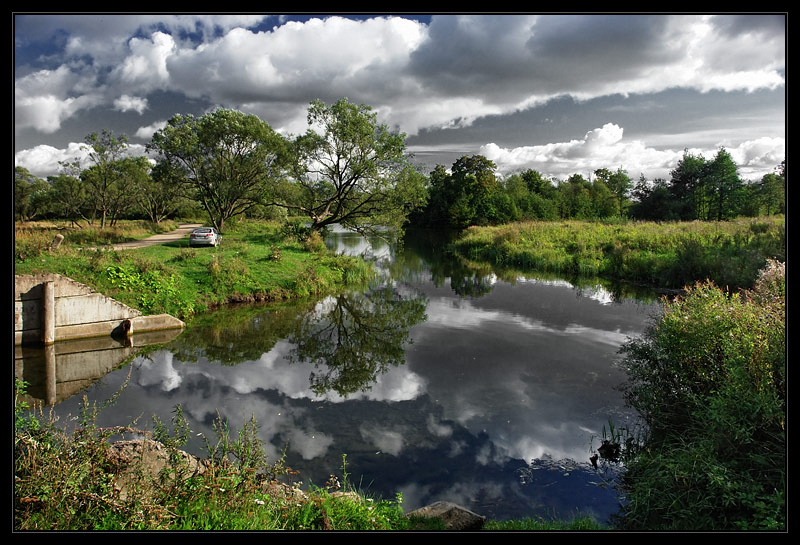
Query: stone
<point>454,516</point>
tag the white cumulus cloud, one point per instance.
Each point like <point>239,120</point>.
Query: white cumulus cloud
<point>127,103</point>
<point>605,147</point>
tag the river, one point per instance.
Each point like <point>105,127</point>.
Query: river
<point>442,381</point>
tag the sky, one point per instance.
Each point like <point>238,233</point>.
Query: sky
<point>561,94</point>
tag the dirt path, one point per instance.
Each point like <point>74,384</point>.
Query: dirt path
<point>177,234</point>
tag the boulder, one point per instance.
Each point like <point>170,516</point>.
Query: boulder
<point>454,516</point>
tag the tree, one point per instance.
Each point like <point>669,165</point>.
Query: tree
<point>620,185</point>
<point>542,200</point>
<point>772,190</point>
<point>538,184</point>
<point>725,185</point>
<point>435,211</point>
<point>161,193</point>
<point>468,195</point>
<point>104,186</point>
<point>575,201</point>
<point>353,172</point>
<point>230,159</point>
<point>30,194</point>
<point>68,198</point>
<point>133,175</point>
<point>689,188</point>
<point>654,202</point>
<point>604,202</point>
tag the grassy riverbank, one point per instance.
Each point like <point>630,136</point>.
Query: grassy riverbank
<point>76,482</point>
<point>257,260</point>
<point>664,255</point>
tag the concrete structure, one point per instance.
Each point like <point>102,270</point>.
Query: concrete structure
<point>50,307</point>
<point>58,371</point>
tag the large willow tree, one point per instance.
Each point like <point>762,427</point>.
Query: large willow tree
<point>230,159</point>
<point>351,170</point>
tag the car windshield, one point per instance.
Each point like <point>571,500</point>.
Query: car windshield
<point>203,231</point>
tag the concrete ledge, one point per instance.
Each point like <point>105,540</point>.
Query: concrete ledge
<point>156,322</point>
<point>51,307</point>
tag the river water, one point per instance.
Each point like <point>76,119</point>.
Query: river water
<point>490,389</point>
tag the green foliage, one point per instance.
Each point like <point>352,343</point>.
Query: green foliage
<point>162,193</point>
<point>578,524</point>
<point>351,170</point>
<point>664,255</point>
<point>30,195</point>
<point>709,378</point>
<point>69,199</point>
<point>112,179</point>
<point>469,195</point>
<point>153,284</point>
<point>258,261</point>
<point>699,189</point>
<point>229,159</point>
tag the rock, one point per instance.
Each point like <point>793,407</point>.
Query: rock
<point>147,456</point>
<point>284,491</point>
<point>454,516</point>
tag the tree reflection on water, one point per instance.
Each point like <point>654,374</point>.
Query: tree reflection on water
<point>350,339</point>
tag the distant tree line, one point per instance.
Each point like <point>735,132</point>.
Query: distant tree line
<point>699,189</point>
<point>114,186</point>
<point>349,169</point>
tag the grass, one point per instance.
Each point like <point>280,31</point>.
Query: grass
<point>580,524</point>
<point>73,482</point>
<point>76,482</point>
<point>666,255</point>
<point>31,239</point>
<point>257,260</point>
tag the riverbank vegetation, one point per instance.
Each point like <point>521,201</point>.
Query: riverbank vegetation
<point>78,482</point>
<point>96,479</point>
<point>472,193</point>
<point>709,379</point>
<point>666,255</point>
<point>257,261</point>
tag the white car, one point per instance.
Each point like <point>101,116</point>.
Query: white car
<point>204,236</point>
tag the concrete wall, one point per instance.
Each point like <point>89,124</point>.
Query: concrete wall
<point>50,307</point>
<point>58,371</point>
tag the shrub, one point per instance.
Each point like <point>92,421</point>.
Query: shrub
<point>708,377</point>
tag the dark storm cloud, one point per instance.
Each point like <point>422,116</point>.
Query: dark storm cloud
<point>579,51</point>
<point>735,25</point>
<point>520,56</point>
<point>452,83</point>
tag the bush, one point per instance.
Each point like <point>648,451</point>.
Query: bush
<point>708,377</point>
